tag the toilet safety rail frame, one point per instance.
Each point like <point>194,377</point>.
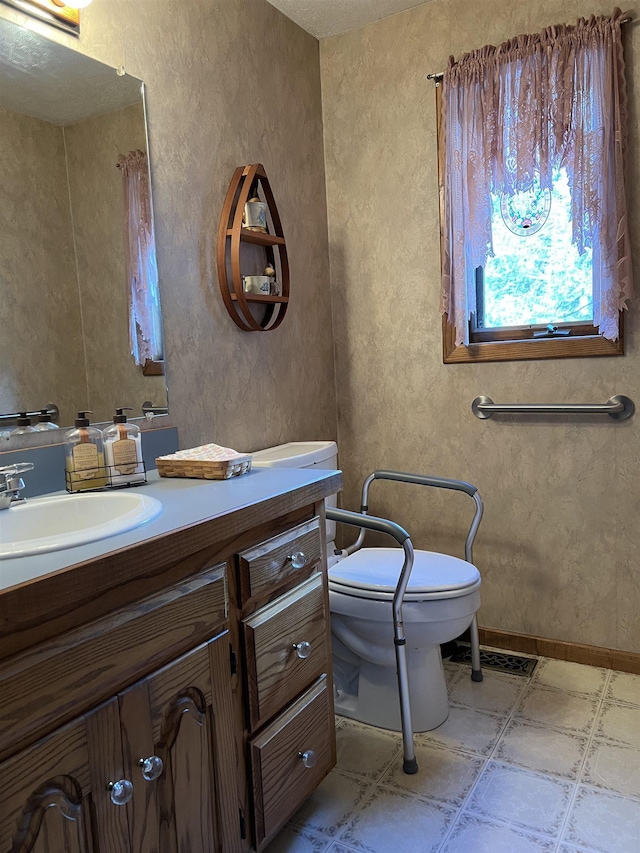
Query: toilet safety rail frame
<point>438,483</point>
<point>383,525</point>
<point>368,522</point>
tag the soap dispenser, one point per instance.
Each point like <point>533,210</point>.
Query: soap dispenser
<point>24,425</point>
<point>123,450</point>
<point>44,421</point>
<point>85,456</point>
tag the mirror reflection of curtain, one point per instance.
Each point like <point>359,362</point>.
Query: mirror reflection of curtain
<point>145,326</point>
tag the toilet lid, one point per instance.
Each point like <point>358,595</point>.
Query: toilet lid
<point>377,570</point>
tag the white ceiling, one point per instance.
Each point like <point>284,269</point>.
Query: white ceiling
<point>324,18</point>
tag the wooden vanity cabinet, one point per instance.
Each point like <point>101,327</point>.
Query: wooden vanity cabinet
<point>205,664</point>
<point>56,794</point>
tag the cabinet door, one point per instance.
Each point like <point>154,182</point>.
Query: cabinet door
<point>185,802</point>
<point>44,796</point>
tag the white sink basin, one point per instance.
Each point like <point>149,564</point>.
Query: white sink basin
<point>64,521</point>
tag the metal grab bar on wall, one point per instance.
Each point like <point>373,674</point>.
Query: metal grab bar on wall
<point>51,408</point>
<point>617,407</point>
<point>148,409</point>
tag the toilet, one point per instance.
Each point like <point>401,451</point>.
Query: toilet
<point>441,600</point>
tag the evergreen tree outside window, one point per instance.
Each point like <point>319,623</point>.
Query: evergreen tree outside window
<point>536,276</point>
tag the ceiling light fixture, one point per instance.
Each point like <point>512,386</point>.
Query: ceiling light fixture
<point>73,4</point>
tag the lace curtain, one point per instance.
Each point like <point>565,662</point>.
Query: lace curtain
<point>531,105</point>
<point>145,326</point>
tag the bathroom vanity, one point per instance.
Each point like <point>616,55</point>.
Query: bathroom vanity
<point>169,688</point>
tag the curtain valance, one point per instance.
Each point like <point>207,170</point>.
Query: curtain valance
<point>518,112</point>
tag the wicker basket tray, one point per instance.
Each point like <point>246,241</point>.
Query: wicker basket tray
<point>204,469</point>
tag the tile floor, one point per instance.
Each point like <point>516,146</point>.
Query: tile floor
<point>548,763</point>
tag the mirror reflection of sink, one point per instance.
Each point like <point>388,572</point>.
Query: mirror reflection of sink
<point>64,521</point>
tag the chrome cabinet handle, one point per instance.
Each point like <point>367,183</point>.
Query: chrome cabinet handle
<point>120,791</point>
<point>303,649</point>
<point>298,560</point>
<point>152,768</point>
<point>309,758</point>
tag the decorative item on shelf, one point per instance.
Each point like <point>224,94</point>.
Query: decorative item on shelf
<point>269,271</point>
<point>256,284</point>
<point>252,310</point>
<point>254,216</point>
<point>207,462</point>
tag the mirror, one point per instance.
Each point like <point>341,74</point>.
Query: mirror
<point>65,121</point>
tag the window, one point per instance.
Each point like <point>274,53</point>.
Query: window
<point>536,277</point>
<point>530,139</point>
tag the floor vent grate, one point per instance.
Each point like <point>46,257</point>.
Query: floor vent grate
<point>499,661</point>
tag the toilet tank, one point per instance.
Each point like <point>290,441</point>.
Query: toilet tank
<point>302,454</point>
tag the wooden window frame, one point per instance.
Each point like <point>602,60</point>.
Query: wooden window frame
<point>584,342</point>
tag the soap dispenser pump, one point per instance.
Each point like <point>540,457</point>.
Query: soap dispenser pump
<point>23,425</point>
<point>123,450</point>
<point>85,456</point>
<point>45,422</point>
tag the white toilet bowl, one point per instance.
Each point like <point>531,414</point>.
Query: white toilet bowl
<point>441,600</point>
<point>442,597</point>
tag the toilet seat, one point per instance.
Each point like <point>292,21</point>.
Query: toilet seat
<point>373,573</point>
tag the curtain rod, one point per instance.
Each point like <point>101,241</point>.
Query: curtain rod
<point>438,75</point>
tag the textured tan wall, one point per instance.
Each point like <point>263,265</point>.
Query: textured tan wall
<point>95,188</point>
<point>558,548</point>
<point>39,304</point>
<point>231,82</point>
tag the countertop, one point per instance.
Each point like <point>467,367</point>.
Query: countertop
<point>186,502</point>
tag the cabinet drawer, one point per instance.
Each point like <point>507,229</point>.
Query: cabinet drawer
<point>281,781</point>
<point>291,553</point>
<point>276,673</point>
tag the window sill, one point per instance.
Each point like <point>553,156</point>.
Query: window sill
<point>585,346</point>
<point>153,368</point>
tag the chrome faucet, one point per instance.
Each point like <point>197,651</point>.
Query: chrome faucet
<point>11,483</point>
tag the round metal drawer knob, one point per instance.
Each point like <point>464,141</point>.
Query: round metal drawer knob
<point>309,758</point>
<point>303,649</point>
<point>120,791</point>
<point>152,767</point>
<point>298,560</point>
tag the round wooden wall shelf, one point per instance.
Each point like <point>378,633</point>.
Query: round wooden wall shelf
<point>247,182</point>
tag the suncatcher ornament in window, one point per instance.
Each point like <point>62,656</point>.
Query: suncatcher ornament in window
<point>525,212</point>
